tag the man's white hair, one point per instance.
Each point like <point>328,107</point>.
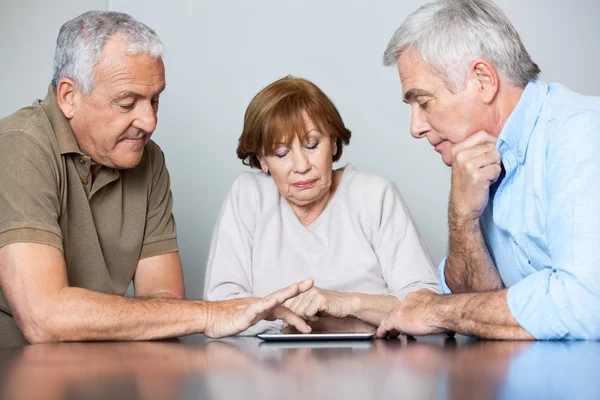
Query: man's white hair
<point>450,34</point>
<point>81,41</point>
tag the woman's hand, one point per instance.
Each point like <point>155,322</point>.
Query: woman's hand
<point>335,325</point>
<point>318,302</point>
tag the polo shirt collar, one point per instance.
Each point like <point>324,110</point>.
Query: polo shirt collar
<point>64,134</point>
<point>516,133</point>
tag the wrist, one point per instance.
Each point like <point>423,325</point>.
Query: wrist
<point>205,308</point>
<point>463,223</point>
<point>353,304</point>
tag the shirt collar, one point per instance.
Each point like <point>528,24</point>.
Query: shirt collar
<point>64,134</point>
<point>517,131</point>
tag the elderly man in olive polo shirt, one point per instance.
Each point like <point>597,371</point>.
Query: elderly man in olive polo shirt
<point>85,204</point>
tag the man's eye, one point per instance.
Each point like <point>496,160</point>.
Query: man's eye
<point>126,106</point>
<point>423,105</point>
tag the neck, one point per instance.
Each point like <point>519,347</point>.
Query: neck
<point>307,214</point>
<point>507,100</point>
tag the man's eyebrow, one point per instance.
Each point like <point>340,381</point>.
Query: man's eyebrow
<point>414,93</point>
<point>126,94</point>
<point>129,93</point>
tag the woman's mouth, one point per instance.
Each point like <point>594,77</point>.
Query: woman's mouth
<point>304,184</point>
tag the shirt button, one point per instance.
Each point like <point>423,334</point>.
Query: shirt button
<point>84,181</point>
<point>520,154</point>
<point>81,160</point>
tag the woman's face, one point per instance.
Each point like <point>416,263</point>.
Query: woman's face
<point>302,171</point>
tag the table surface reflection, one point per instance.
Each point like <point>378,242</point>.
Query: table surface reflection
<point>434,367</point>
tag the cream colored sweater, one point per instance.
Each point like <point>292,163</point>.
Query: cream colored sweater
<point>364,241</point>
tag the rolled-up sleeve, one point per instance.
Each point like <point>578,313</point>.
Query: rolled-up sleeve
<point>442,287</point>
<point>563,300</point>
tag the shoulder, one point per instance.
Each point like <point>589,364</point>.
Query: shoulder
<point>28,127</point>
<point>372,196</point>
<point>564,106</point>
<point>27,137</point>
<point>366,187</point>
<point>257,190</point>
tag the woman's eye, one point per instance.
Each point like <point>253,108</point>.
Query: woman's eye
<point>312,146</point>
<point>281,154</point>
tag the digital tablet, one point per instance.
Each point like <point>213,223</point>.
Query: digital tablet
<point>315,336</point>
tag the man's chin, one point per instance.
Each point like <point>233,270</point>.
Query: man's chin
<point>128,162</point>
<point>447,160</point>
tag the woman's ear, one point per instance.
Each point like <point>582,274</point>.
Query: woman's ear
<point>334,147</point>
<point>263,164</point>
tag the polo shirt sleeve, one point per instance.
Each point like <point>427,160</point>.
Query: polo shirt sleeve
<point>160,235</point>
<point>29,192</point>
<point>563,299</point>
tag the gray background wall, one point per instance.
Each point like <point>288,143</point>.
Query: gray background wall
<point>220,54</point>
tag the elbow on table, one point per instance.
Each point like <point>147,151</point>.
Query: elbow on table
<point>39,325</point>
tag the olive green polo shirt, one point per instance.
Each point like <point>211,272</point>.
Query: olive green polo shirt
<point>47,196</point>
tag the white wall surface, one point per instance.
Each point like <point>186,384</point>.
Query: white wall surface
<point>28,31</point>
<point>221,53</point>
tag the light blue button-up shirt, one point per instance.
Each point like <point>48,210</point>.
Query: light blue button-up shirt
<point>542,222</point>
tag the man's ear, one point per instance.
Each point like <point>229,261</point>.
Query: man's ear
<point>263,164</point>
<point>484,76</point>
<point>67,95</point>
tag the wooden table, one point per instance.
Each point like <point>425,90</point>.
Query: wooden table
<point>434,367</point>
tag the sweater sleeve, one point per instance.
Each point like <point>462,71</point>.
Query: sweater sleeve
<point>402,254</point>
<point>229,269</point>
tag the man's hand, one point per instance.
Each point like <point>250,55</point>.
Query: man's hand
<point>475,167</point>
<point>317,301</point>
<point>416,315</point>
<point>230,317</point>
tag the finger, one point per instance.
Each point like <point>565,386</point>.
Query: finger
<point>476,139</point>
<point>475,166</point>
<point>490,173</point>
<point>260,308</point>
<point>301,309</point>
<point>298,301</point>
<point>293,290</point>
<point>315,306</point>
<point>291,319</point>
<point>381,331</point>
<point>305,285</point>
<point>472,154</point>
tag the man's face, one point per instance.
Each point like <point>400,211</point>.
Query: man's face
<point>443,117</point>
<point>115,121</point>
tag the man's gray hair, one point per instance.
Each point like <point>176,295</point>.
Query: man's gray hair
<point>450,34</point>
<point>81,41</point>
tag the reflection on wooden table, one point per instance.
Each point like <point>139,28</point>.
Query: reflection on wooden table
<point>246,368</point>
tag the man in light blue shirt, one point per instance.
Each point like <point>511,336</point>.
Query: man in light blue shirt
<point>524,211</point>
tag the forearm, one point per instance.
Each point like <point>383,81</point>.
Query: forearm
<point>371,308</point>
<point>484,315</point>
<point>469,267</point>
<point>75,314</point>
